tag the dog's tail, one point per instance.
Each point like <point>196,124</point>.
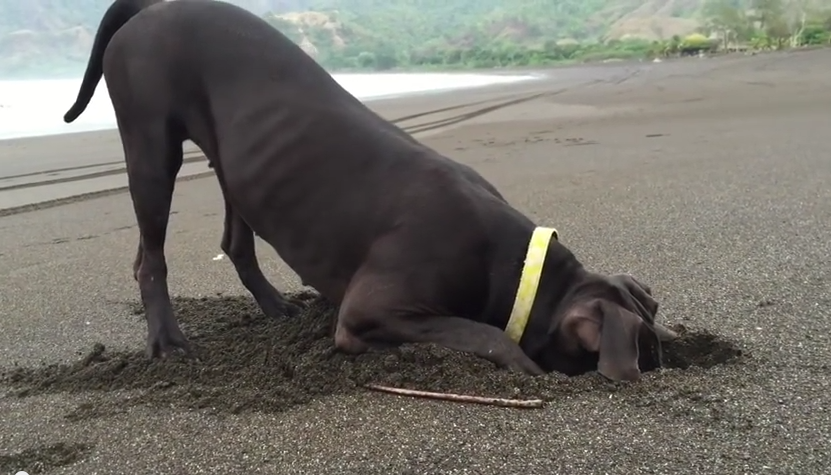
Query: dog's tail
<point>115,17</point>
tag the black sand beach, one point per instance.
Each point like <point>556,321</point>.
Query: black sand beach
<point>708,178</point>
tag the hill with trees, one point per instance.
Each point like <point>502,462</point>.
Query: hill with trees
<point>53,37</point>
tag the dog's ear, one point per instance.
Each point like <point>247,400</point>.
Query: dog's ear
<point>605,328</point>
<point>581,326</point>
<point>619,337</point>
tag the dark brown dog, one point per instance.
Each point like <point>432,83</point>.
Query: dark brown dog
<point>411,245</point>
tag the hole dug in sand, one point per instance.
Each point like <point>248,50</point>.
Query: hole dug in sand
<point>249,362</point>
<point>701,349</point>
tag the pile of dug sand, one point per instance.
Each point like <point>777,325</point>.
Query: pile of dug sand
<point>246,361</point>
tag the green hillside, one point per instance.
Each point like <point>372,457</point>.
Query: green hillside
<point>439,33</point>
<point>53,37</point>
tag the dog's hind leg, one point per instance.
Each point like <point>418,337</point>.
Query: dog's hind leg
<point>154,155</point>
<point>238,244</point>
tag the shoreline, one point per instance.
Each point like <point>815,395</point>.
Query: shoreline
<point>536,72</point>
<point>460,70</point>
<point>473,83</point>
<point>450,69</point>
<point>524,74</point>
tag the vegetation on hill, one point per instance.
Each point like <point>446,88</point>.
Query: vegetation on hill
<point>766,24</point>
<point>374,34</point>
<point>50,37</point>
<point>384,34</point>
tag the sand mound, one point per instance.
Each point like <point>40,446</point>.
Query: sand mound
<point>249,362</point>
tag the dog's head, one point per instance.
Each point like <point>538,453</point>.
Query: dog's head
<point>606,323</point>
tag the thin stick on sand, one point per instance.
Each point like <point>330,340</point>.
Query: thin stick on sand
<point>490,401</point>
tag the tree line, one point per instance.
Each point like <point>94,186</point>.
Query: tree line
<point>726,25</point>
<point>769,24</point>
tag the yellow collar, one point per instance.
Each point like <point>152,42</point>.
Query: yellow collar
<point>530,280</point>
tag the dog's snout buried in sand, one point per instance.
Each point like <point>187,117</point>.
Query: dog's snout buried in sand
<point>411,246</point>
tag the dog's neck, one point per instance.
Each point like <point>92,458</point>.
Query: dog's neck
<point>529,280</point>
<point>560,272</point>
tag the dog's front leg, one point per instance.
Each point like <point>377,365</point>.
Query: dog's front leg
<point>356,331</point>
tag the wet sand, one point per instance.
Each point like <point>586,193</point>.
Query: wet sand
<point>707,178</point>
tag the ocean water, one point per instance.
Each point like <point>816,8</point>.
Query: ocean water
<point>36,107</point>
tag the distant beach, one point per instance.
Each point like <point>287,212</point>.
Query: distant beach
<point>31,108</point>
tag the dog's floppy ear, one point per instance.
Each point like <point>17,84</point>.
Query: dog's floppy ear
<point>619,335</point>
<point>581,326</point>
<point>604,328</point>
